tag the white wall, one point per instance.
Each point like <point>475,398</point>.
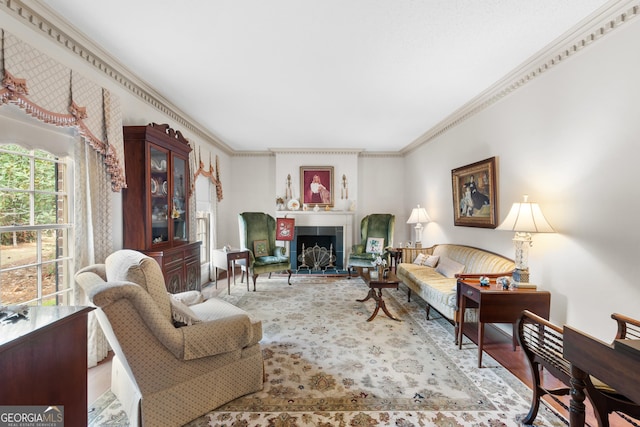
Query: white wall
<point>569,139</point>
<point>381,189</point>
<point>374,186</point>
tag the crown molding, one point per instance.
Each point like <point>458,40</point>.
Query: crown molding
<point>57,30</point>
<point>320,151</point>
<point>601,23</point>
<point>252,154</point>
<point>381,154</point>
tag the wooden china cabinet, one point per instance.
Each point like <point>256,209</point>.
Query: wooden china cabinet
<point>156,203</point>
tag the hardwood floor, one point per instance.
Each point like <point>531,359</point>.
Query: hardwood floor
<point>497,345</point>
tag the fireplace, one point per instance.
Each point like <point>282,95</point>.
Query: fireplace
<point>330,238</point>
<point>336,224</point>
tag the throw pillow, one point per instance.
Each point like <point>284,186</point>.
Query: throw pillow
<point>188,297</point>
<point>448,267</point>
<point>181,313</point>
<point>419,259</point>
<point>375,245</point>
<point>431,261</point>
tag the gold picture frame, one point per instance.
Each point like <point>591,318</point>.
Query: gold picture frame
<point>475,194</point>
<point>316,185</point>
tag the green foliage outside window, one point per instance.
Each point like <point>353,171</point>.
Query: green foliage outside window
<point>19,191</point>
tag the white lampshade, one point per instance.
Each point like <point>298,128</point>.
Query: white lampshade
<point>418,215</point>
<point>526,217</point>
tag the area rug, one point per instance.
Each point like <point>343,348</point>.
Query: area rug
<point>327,366</point>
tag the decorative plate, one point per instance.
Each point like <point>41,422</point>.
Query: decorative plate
<point>164,187</point>
<point>293,205</point>
<point>154,186</point>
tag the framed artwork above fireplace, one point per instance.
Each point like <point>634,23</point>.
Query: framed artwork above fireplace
<point>316,183</point>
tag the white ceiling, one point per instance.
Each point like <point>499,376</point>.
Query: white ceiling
<point>357,74</point>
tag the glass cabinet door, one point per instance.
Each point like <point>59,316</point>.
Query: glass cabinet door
<point>179,192</point>
<point>159,189</point>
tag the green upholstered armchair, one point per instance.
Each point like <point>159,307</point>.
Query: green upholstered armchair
<point>259,226</point>
<point>374,225</point>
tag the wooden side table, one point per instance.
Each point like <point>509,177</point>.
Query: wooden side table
<point>496,305</point>
<point>226,260</point>
<point>43,361</point>
<point>396,257</point>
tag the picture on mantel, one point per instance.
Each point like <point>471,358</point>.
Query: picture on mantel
<point>317,185</point>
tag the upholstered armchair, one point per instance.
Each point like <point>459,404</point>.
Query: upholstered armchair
<point>372,228</point>
<point>258,231</point>
<point>176,356</point>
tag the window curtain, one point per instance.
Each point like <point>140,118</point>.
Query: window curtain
<point>93,242</point>
<point>54,94</point>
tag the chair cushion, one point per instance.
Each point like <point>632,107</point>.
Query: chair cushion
<point>268,260</point>
<point>133,266</point>
<point>361,260</point>
<point>363,256</point>
<point>217,309</point>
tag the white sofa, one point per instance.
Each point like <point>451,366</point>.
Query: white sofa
<point>166,374</point>
<point>439,290</point>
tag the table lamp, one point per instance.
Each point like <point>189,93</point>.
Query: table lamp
<point>418,216</point>
<point>524,218</point>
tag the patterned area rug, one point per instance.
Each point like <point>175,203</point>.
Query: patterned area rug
<point>327,366</point>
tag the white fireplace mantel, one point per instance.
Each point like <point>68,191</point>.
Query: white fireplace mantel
<point>311,218</point>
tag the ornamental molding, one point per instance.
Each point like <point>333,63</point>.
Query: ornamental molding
<point>381,154</point>
<point>104,63</point>
<point>600,24</point>
<point>306,151</point>
<point>252,154</point>
<point>594,28</point>
<point>14,91</point>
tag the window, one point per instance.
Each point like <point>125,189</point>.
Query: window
<point>35,227</point>
<point>202,234</point>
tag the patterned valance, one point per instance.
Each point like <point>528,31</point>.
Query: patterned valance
<point>211,173</point>
<point>54,94</point>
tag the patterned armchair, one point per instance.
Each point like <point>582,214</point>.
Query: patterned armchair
<point>376,226</point>
<point>176,356</point>
<point>258,229</point>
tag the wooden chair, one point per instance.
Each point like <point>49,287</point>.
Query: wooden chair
<point>542,343</point>
<point>608,400</point>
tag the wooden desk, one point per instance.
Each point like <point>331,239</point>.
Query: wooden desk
<point>616,365</point>
<point>226,260</point>
<point>496,305</point>
<point>390,282</point>
<point>43,361</point>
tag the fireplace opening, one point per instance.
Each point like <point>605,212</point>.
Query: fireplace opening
<point>329,238</point>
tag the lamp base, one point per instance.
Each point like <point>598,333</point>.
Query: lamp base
<point>521,275</point>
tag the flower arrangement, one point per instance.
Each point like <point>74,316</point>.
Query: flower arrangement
<point>379,261</point>
<point>279,201</point>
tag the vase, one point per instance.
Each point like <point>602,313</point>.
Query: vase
<point>380,271</point>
